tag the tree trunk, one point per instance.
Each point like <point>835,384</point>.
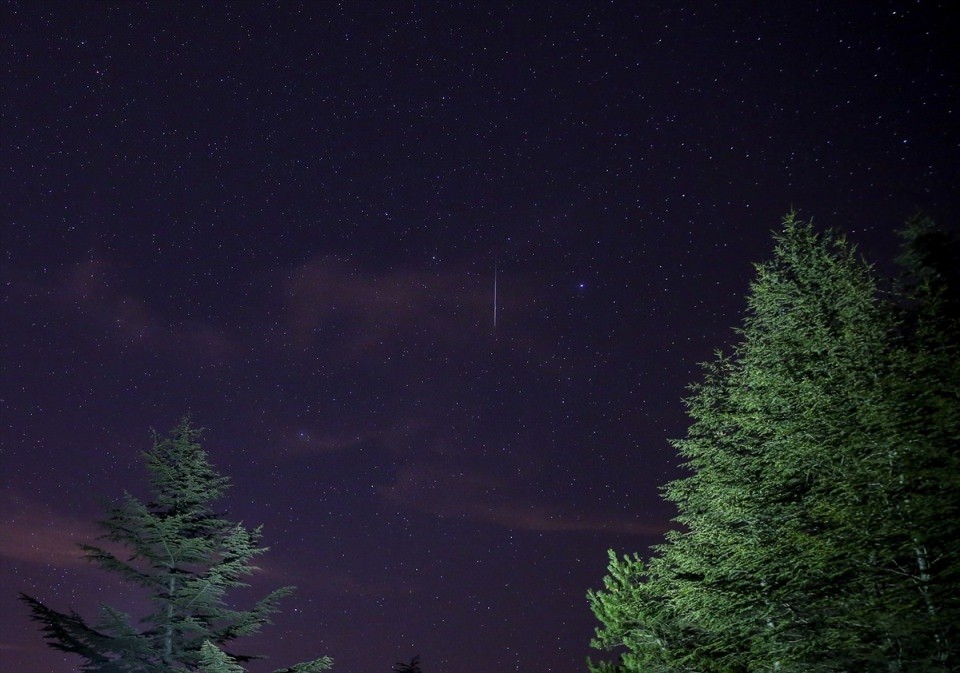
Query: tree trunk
<point>168,627</point>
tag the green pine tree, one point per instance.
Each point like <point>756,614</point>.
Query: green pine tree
<point>215,660</point>
<point>186,558</point>
<point>819,519</point>
<point>920,421</point>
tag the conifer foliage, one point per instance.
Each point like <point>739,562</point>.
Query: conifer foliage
<point>820,522</point>
<point>186,558</point>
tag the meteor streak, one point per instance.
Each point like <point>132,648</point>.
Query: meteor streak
<point>495,294</point>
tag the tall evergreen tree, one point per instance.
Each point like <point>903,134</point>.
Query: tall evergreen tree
<point>187,558</point>
<point>823,466</point>
<point>921,422</point>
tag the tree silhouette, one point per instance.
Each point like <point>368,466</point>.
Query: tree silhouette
<point>412,667</point>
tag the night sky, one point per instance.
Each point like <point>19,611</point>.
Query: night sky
<point>286,219</point>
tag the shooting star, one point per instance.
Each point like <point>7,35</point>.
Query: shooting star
<point>495,269</point>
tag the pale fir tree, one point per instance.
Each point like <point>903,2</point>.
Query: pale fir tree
<point>186,558</point>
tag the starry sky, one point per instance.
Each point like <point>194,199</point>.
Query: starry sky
<point>287,219</point>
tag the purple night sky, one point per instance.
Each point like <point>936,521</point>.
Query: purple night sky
<point>284,218</point>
